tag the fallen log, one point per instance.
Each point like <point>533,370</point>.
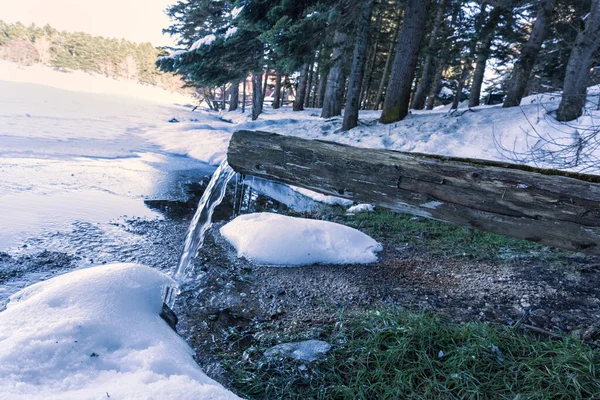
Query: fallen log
<point>556,208</point>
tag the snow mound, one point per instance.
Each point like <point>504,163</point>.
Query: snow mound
<point>360,208</point>
<point>274,239</point>
<point>95,333</point>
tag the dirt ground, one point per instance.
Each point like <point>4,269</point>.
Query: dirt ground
<point>232,302</point>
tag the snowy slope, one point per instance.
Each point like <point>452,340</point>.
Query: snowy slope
<point>486,132</point>
<point>95,333</point>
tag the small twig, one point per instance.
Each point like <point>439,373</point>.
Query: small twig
<point>540,330</point>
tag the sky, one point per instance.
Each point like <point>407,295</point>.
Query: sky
<point>135,20</point>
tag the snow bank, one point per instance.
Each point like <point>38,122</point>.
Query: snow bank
<point>95,333</point>
<point>273,239</point>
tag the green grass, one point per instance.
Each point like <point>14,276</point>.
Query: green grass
<point>439,238</point>
<point>400,355</point>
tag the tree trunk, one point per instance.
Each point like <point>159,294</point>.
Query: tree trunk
<point>524,65</point>
<point>309,84</point>
<point>578,68</point>
<point>257,98</point>
<point>277,94</point>
<point>334,92</point>
<point>224,94</point>
<point>437,86</point>
<point>263,92</point>
<point>321,95</point>
<point>244,95</point>
<point>418,101</point>
<point>397,97</point>
<point>461,85</point>
<point>301,91</point>
<point>358,68</point>
<point>483,54</point>
<point>552,207</point>
<point>207,98</point>
<point>386,71</point>
<point>482,57</point>
<point>235,96</point>
<point>368,76</point>
<point>315,87</point>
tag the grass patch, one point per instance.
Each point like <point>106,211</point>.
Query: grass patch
<point>400,355</point>
<point>439,238</point>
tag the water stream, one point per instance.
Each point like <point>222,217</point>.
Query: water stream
<point>202,221</point>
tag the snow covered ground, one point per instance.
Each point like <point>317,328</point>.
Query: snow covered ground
<point>528,134</point>
<point>96,333</point>
<point>273,239</point>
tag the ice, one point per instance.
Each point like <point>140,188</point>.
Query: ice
<point>322,198</point>
<point>95,333</point>
<point>273,239</point>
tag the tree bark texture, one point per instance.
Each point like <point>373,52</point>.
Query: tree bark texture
<point>336,80</point>
<point>397,97</point>
<point>552,207</point>
<point>257,98</point>
<point>235,96</point>
<point>301,91</point>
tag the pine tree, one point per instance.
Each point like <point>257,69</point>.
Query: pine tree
<point>358,67</point>
<point>398,93</point>
<point>524,65</point>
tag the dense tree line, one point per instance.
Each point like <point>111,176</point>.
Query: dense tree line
<point>114,58</point>
<point>388,54</point>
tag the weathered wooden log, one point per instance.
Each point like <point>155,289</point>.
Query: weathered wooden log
<point>556,208</point>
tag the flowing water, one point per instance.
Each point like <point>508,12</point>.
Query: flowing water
<point>202,221</point>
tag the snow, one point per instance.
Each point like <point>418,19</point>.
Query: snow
<point>203,41</point>
<point>486,132</point>
<point>360,208</point>
<point>273,239</point>
<point>230,31</point>
<point>79,81</point>
<point>95,333</point>
<point>236,11</point>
